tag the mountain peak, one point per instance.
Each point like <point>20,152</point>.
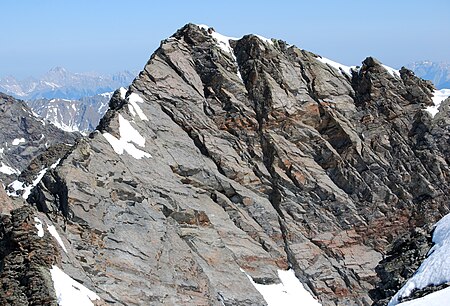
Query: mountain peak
<point>231,169</point>
<point>58,69</point>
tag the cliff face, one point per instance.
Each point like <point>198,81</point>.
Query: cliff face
<point>255,156</point>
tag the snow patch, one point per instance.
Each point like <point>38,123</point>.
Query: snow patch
<point>70,292</point>
<point>290,292</point>
<point>55,164</point>
<point>101,107</point>
<point>133,99</point>
<point>438,97</point>
<point>7,169</point>
<point>38,117</point>
<point>131,109</point>
<point>128,136</point>
<point>123,92</point>
<point>395,73</point>
<point>27,190</point>
<point>264,39</point>
<point>437,298</point>
<point>1,150</point>
<point>18,141</point>
<point>51,84</point>
<point>52,230</point>
<point>342,68</point>
<point>435,269</point>
<point>128,133</point>
<point>223,42</point>
<point>63,126</point>
<point>39,227</point>
<point>107,94</point>
<point>16,186</point>
<point>20,186</point>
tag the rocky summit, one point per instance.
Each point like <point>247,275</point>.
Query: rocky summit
<point>228,162</point>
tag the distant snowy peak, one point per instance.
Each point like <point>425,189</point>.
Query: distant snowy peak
<point>60,83</point>
<point>81,115</point>
<point>437,72</point>
<point>438,97</point>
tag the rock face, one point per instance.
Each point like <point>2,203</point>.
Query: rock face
<point>25,260</point>
<point>253,156</point>
<point>24,136</point>
<point>6,203</point>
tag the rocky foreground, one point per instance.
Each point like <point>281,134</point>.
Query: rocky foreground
<point>232,158</point>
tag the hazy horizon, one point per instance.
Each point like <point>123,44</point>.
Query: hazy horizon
<point>85,72</point>
<point>111,36</point>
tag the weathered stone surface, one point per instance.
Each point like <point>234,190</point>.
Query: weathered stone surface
<point>6,204</point>
<point>25,261</point>
<point>261,160</point>
<point>401,262</point>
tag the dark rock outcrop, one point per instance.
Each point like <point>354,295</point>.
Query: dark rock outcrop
<point>402,260</point>
<point>25,260</point>
<point>261,159</point>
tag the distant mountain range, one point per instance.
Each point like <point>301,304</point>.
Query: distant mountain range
<point>437,72</point>
<point>58,83</point>
<point>80,115</point>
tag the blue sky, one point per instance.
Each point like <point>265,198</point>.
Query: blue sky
<point>111,35</point>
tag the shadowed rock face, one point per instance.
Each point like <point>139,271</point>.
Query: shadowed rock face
<point>24,137</point>
<point>259,160</point>
<point>25,261</point>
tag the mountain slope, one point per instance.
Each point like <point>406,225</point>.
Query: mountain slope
<point>24,137</point>
<point>81,115</point>
<point>227,161</point>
